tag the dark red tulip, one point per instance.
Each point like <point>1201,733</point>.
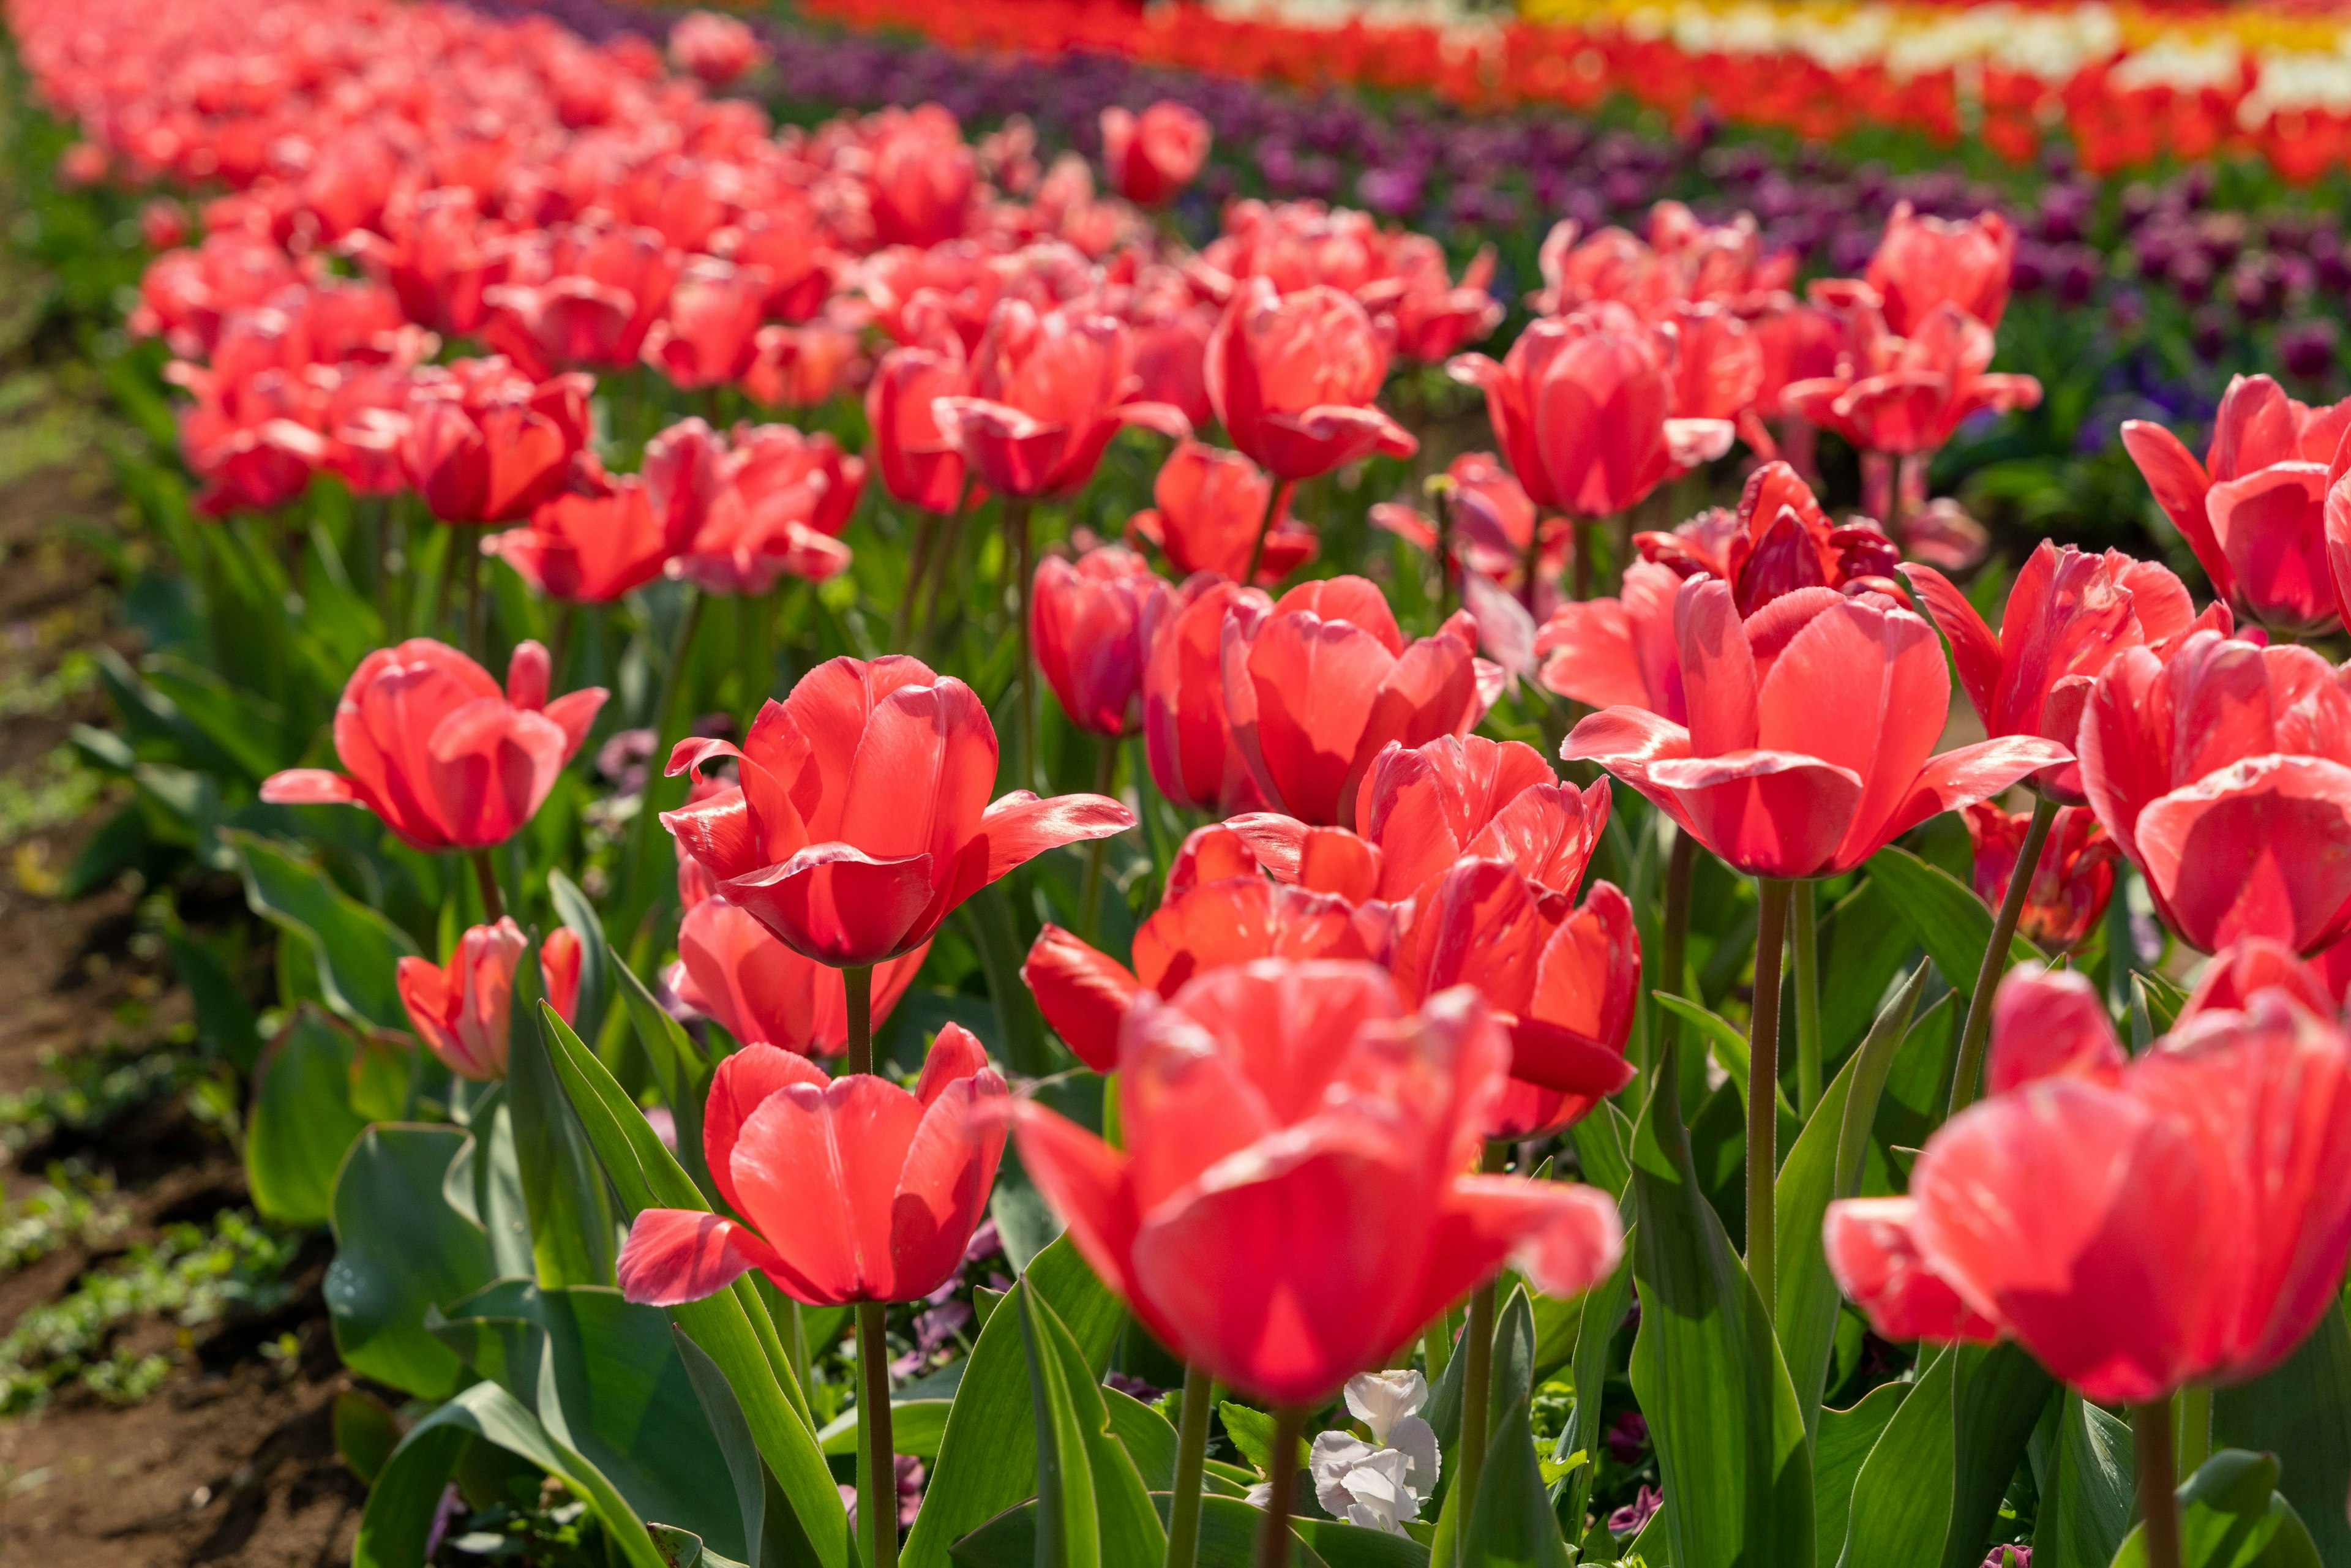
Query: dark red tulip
<point>1777,540</point>
<point>2074,879</point>
<point>1149,157</point>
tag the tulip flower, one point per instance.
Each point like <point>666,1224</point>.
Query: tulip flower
<point>917,463</point>
<point>714,47</point>
<point>1188,730</point>
<point>1212,507</point>
<point>584,295</point>
<point>1087,621</point>
<point>923,177</point>
<point>2180,1218</point>
<point>2254,511</point>
<point>2068,613</point>
<point>1811,734</point>
<point>1619,651</point>
<point>851,1189</point>
<point>2069,887</point>
<point>1922,264</point>
<point>1151,156</point>
<point>485,445</point>
<point>1292,377</point>
<point>2224,772</point>
<point>709,332</point>
<point>863,818</point>
<point>1339,1126</point>
<point>1171,351</point>
<point>1777,541</point>
<point>1904,394</point>
<point>591,550</point>
<point>803,366</point>
<point>1427,806</point>
<point>1048,392</point>
<point>776,499</point>
<point>731,968</point>
<point>432,746</point>
<point>1318,685</point>
<point>438,253</point>
<point>461,1009</point>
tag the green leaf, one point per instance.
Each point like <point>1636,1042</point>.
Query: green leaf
<point>235,723</point>
<point>1511,1523</point>
<point>2086,1505</point>
<point>1734,1462</point>
<point>226,1021</point>
<point>1845,1439</point>
<point>1510,1377</point>
<point>484,1185</point>
<point>684,1548</point>
<point>1862,944</point>
<point>678,1066</point>
<point>2232,1516</point>
<point>1228,1532</point>
<point>2301,1410</point>
<point>1150,1440</point>
<point>1824,1164</point>
<point>915,1428</point>
<point>399,1250</point>
<point>302,1123</point>
<point>357,950</point>
<point>1603,1313</point>
<point>366,1432</point>
<point>1730,1045</point>
<point>1998,1394</point>
<point>596,964</point>
<point>1902,1500</point>
<point>1944,914</point>
<point>1251,1431</point>
<point>1091,1505</point>
<point>570,1224</point>
<point>988,1459</point>
<point>989,919</point>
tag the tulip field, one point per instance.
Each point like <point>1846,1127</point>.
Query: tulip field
<point>1051,783</point>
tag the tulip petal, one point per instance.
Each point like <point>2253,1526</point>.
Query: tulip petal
<point>2272,525</point>
<point>1085,1181</point>
<point>1875,1260</point>
<point>1083,994</point>
<point>1975,650</point>
<point>816,1169</point>
<point>1018,827</point>
<point>1958,777</point>
<point>839,905</point>
<point>741,1085</point>
<point>1718,679</point>
<point>307,786</point>
<point>1769,813</point>
<point>2179,484</point>
<point>677,1255</point>
<point>2261,848</point>
<point>1564,1236</point>
<point>943,1186</point>
<point>2048,1024</point>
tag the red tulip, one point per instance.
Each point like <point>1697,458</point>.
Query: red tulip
<point>2069,888</point>
<point>1924,263</point>
<point>1429,806</point>
<point>2051,1023</point>
<point>1811,732</point>
<point>2181,1218</point>
<point>1319,686</point>
<point>2254,511</point>
<point>438,253</point>
<point>1048,392</point>
<point>1777,541</point>
<point>461,1009</point>
<point>917,463</point>
<point>716,48</point>
<point>1187,732</point>
<point>1907,394</point>
<point>1151,156</point>
<point>709,331</point>
<point>1718,363</point>
<point>2244,969</point>
<point>1337,1220</point>
<point>1335,861</point>
<point>1620,652</point>
<point>591,550</point>
<point>2068,613</point>
<point>1086,622</point>
<point>1292,377</point>
<point>851,1189</point>
<point>1171,351</point>
<point>2224,773</point>
<point>923,177</point>
<point>1212,502</point>
<point>432,746</point>
<point>1433,317</point>
<point>777,498</point>
<point>731,968</point>
<point>584,295</point>
<point>803,366</point>
<point>862,819</point>
<point>1564,982</point>
<point>485,445</point>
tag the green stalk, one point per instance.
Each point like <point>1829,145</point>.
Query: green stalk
<point>1807,934</point>
<point>1476,1371</point>
<point>878,1504</point>
<point>918,567</point>
<point>1273,1536</point>
<point>1020,567</point>
<point>2157,1477</point>
<point>478,599</point>
<point>1191,1462</point>
<point>1972,1038</point>
<point>486,877</point>
<point>2195,1427</point>
<point>1762,1091</point>
<point>857,983</point>
<point>1090,890</point>
<point>1673,941</point>
<point>1274,499</point>
<point>1437,1344</point>
<point>665,736</point>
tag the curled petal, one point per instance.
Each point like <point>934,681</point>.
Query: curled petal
<point>1874,1257</point>
<point>678,1255</point>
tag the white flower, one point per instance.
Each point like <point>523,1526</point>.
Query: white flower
<point>1381,1484</point>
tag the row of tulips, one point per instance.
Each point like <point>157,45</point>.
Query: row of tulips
<point>1340,989</point>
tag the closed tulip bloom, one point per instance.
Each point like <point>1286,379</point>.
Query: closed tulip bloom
<point>1905,393</point>
<point>2068,613</point>
<point>1289,1205</point>
<point>917,463</point>
<point>1776,541</point>
<point>714,47</point>
<point>590,549</point>
<point>1048,392</point>
<point>709,332</point>
<point>1087,620</point>
<point>863,818</point>
<point>1212,502</point>
<point>431,745</point>
<point>461,1009</point>
<point>1427,806</point>
<point>851,1189</point>
<point>1187,733</point>
<point>1812,731</point>
<point>731,968</point>
<point>1149,157</point>
<point>2182,1218</point>
<point>923,177</point>
<point>2254,511</point>
<point>483,445</point>
<point>2070,885</point>
<point>1292,377</point>
<point>1922,263</point>
<point>1316,687</point>
<point>2224,773</point>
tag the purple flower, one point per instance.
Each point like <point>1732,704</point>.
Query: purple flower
<point>1628,1520</point>
<point>1628,1438</point>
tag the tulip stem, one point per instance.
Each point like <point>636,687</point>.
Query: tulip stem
<point>1191,1462</point>
<point>1673,940</point>
<point>2195,1427</point>
<point>1532,565</point>
<point>1020,566</point>
<point>558,639</point>
<point>1972,1038</point>
<point>1437,1344</point>
<point>1274,499</point>
<point>1282,1473</point>
<point>1763,1092</point>
<point>486,877</point>
<point>1476,1370</point>
<point>1805,919</point>
<point>878,1513</point>
<point>664,720</point>
<point>2158,1508</point>
<point>918,567</point>
<point>1089,891</point>
<point>478,598</point>
<point>945,554</point>
<point>857,984</point>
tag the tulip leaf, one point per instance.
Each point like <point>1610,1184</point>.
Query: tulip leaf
<point>2087,1504</point>
<point>989,919</point>
<point>1843,1441</point>
<point>1604,1306</point>
<point>2232,1516</point>
<point>1863,942</point>
<point>769,1530</point>
<point>398,1522</point>
<point>484,1185</point>
<point>1735,1466</point>
<point>1901,1507</point>
<point>1511,1523</point>
<point>302,1122</point>
<point>1943,914</point>
<point>684,1548</point>
<point>1510,1376</point>
<point>596,964</point>
<point>2301,1410</point>
<point>678,1066</point>
<point>1228,1536</point>
<point>356,949</point>
<point>915,1427</point>
<point>1824,1164</point>
<point>399,1250</point>
<point>570,1223</point>
<point>987,1456</point>
<point>1250,1431</point>
<point>1091,1505</point>
<point>1728,1043</point>
<point>1150,1440</point>
<point>1998,1394</point>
